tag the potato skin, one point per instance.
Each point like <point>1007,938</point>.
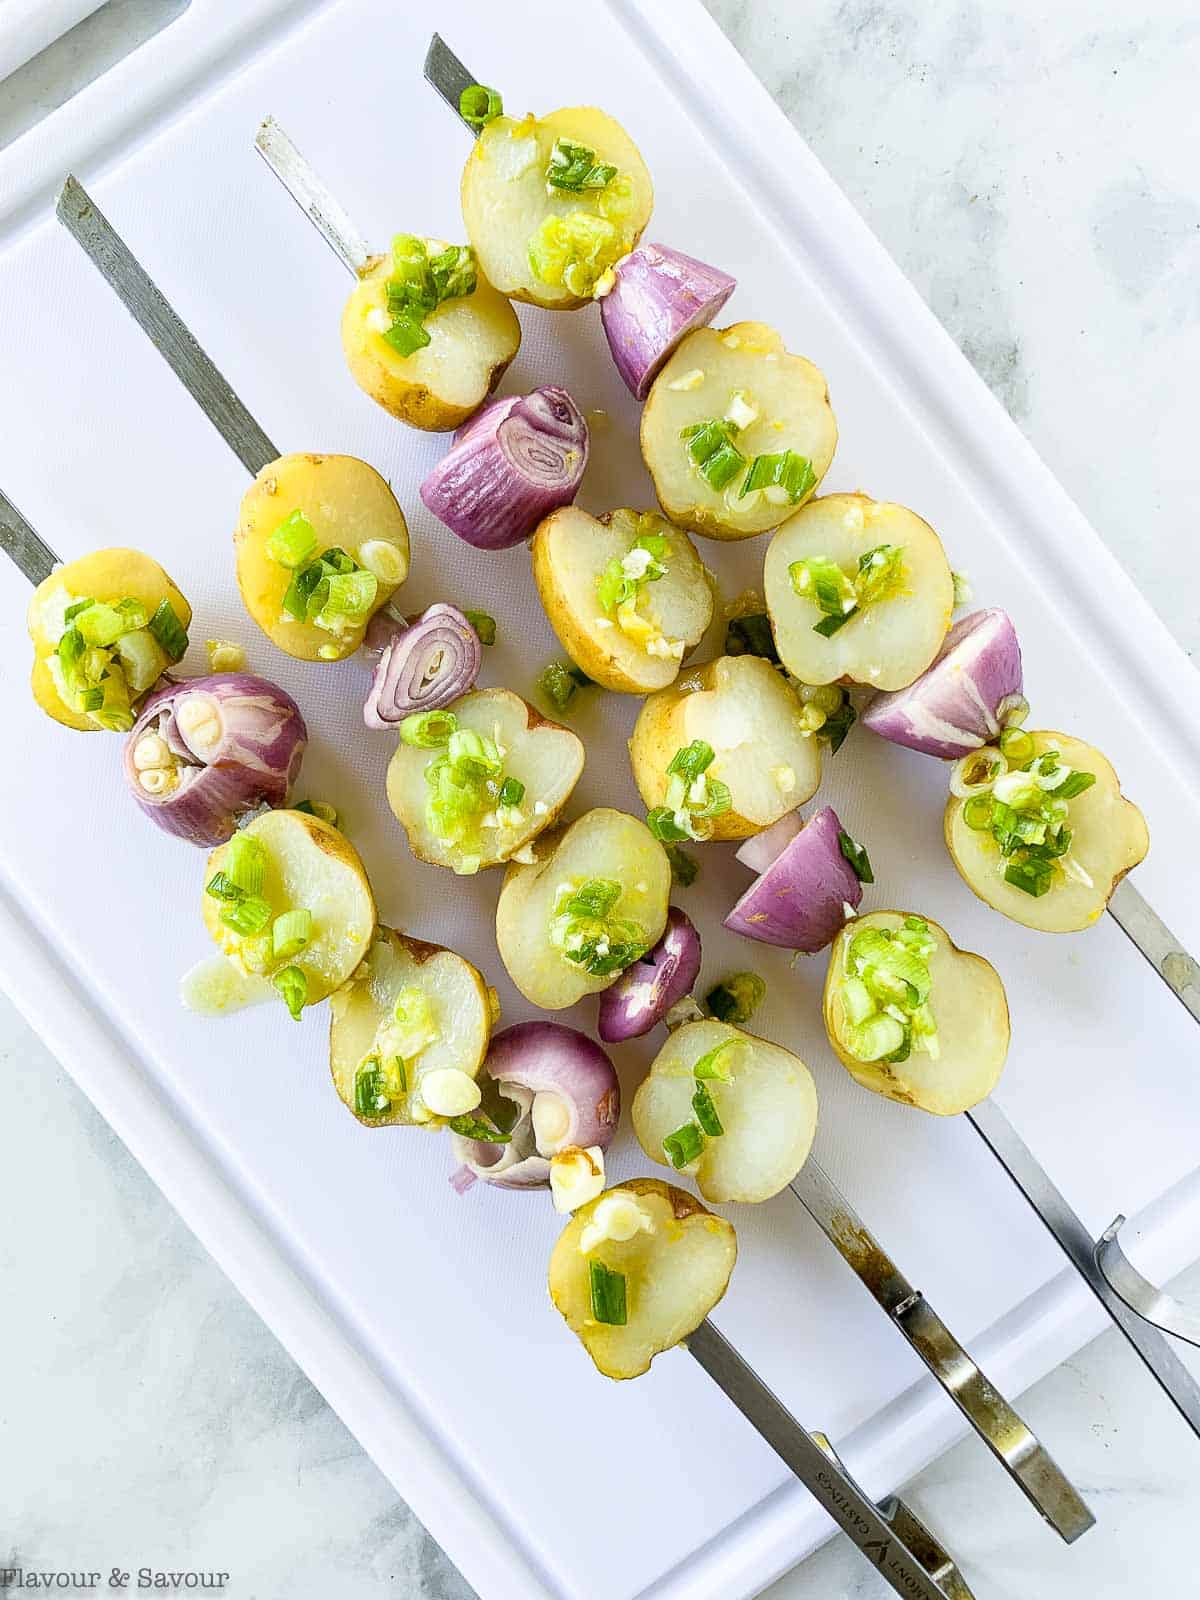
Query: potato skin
<point>111,574</point>
<point>588,653</point>
<point>347,503</point>
<point>394,381</point>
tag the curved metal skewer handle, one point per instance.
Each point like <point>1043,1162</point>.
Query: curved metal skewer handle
<point>1015,1446</point>
<point>1139,1294</point>
<point>889,1535</point>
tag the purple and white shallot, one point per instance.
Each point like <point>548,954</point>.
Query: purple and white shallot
<point>205,752</point>
<point>647,990</point>
<point>423,665</point>
<point>566,1094</point>
<point>658,297</point>
<point>517,460</point>
<point>807,889</point>
<point>963,700</point>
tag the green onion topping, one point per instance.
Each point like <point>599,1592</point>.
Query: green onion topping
<point>711,1065</point>
<point>857,856</point>
<point>684,870</point>
<point>247,915</point>
<point>1025,809</point>
<point>245,863</point>
<point>838,724</point>
<point>290,934</point>
<point>471,1126</point>
<point>419,284</point>
<point>584,931</point>
<point>692,798</point>
<point>735,999</point>
<point>292,984</point>
<point>428,729</point>
<point>478,105</point>
<point>706,1112</point>
<point>512,792</point>
<point>559,681</point>
<point>624,578</point>
<point>787,471</point>
<point>711,447</point>
<point>574,167</point>
<point>484,625</point>
<point>294,541</point>
<point>169,631</point>
<point>885,988</point>
<point>684,1145</point>
<point>878,577</point>
<point>608,1294</point>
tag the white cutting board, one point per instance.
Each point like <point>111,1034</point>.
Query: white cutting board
<point>422,1316</point>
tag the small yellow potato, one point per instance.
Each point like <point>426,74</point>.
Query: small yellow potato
<point>752,717</point>
<point>766,1104</point>
<point>783,401</point>
<point>1108,838</point>
<point>413,1001</point>
<point>542,755</point>
<point>106,576</point>
<point>312,867</point>
<point>676,1265</point>
<point>969,1011</point>
<point>350,508</point>
<point>535,927</point>
<point>637,646</point>
<point>888,642</point>
<point>472,339</point>
<point>515,219</point>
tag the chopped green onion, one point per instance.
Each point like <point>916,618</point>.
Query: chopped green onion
<point>751,636</point>
<point>169,631</point>
<point>473,1127</point>
<point>977,812</point>
<point>719,800</point>
<point>711,447</point>
<point>91,699</point>
<point>512,792</point>
<point>625,576</point>
<point>428,729</point>
<point>684,870</point>
<point>574,167</point>
<point>690,760</point>
<point>684,1145</point>
<point>350,596</point>
<point>881,1037</point>
<point>478,105</point>
<point>293,542</point>
<point>962,589</point>
<point>662,824</point>
<point>609,1303</point>
<point>474,754</point>
<point>406,335</point>
<point>102,625</point>
<point>710,1064</point>
<point>574,251</point>
<point>595,898</point>
<point>74,609</point>
<point>484,625</point>
<point>559,681</point>
<point>787,471</point>
<point>828,626</point>
<point>419,284</point>
<point>290,933</point>
<point>737,998</point>
<point>837,725</point>
<point>320,809</point>
<point>1033,875</point>
<point>222,887</point>
<point>839,597</point>
<point>245,863</point>
<point>706,1112</point>
<point>454,272</point>
<point>857,856</point>
<point>370,1099</point>
<point>1075,784</point>
<point>292,984</point>
<point>247,916</point>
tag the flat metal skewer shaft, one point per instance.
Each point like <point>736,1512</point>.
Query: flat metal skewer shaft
<point>1013,1444</point>
<point>153,313</point>
<point>1143,926</point>
<point>446,74</point>
<point>23,545</point>
<point>884,1542</point>
<point>1026,1172</point>
<point>319,204</point>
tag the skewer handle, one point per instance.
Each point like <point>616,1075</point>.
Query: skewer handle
<point>1142,1296</point>
<point>153,313</point>
<point>914,1566</point>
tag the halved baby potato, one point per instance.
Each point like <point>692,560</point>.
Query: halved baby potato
<point>536,929</point>
<point>542,755</point>
<point>350,508</point>
<point>311,867</point>
<point>764,1100</point>
<point>663,1261</point>
<point>543,244</point>
<point>970,1012</point>
<point>107,577</point>
<point>741,372</point>
<point>888,642</point>
<point>443,1025</point>
<point>472,339</point>
<point>752,718</point>
<point>1108,838</point>
<point>637,646</point>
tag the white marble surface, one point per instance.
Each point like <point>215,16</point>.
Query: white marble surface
<point>1032,169</point>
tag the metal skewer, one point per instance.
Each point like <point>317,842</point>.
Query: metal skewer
<point>1144,928</point>
<point>883,1541</point>
<point>1163,1310</point>
<point>23,545</point>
